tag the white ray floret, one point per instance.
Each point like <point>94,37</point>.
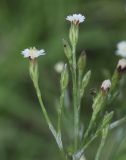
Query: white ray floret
<point>76,18</point>
<point>32,53</point>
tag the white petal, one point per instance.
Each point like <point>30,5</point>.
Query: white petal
<point>26,53</point>
<point>75,18</point>
<point>33,53</point>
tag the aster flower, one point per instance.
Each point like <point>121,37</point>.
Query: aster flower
<point>121,49</point>
<point>106,85</point>
<point>75,18</point>
<point>121,66</point>
<point>32,53</point>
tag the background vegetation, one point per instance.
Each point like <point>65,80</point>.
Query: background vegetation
<point>41,23</point>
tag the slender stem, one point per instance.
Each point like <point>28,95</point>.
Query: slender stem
<point>100,149</point>
<point>79,97</point>
<point>104,135</point>
<point>90,126</point>
<point>60,111</point>
<point>76,116</point>
<point>86,145</point>
<point>98,103</point>
<point>117,123</point>
<point>50,125</point>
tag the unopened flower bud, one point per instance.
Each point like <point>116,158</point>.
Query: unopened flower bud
<point>64,78</point>
<point>85,82</point>
<point>106,85</point>
<point>82,61</point>
<point>121,66</point>
<point>67,50</point>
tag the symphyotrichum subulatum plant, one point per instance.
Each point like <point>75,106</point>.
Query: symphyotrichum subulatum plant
<point>106,93</point>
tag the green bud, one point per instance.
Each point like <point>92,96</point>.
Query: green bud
<point>82,62</point>
<point>107,118</point>
<point>64,78</point>
<point>85,82</point>
<point>67,50</point>
<point>98,103</point>
<point>73,34</point>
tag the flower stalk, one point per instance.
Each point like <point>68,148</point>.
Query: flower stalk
<point>33,69</point>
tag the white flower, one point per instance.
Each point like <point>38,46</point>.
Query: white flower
<point>33,53</point>
<point>59,67</point>
<point>121,49</point>
<point>121,64</point>
<point>106,85</point>
<point>76,18</point>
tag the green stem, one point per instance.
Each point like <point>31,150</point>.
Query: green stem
<point>50,125</point>
<point>80,152</point>
<point>76,116</point>
<point>79,96</point>
<point>104,135</point>
<point>60,111</point>
<point>117,123</point>
<point>89,127</point>
<point>100,149</point>
<point>98,103</point>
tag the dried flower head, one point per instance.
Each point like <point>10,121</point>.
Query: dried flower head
<point>106,84</point>
<point>75,18</point>
<point>121,49</point>
<point>121,66</point>
<point>32,53</point>
<point>59,67</point>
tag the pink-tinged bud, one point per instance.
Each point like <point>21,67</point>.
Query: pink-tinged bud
<point>121,66</point>
<point>106,85</point>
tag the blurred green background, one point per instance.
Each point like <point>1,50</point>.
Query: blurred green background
<point>24,134</point>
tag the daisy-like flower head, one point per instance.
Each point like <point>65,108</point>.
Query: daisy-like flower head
<point>76,18</point>
<point>32,53</point>
<point>106,85</point>
<point>121,49</point>
<point>121,66</point>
